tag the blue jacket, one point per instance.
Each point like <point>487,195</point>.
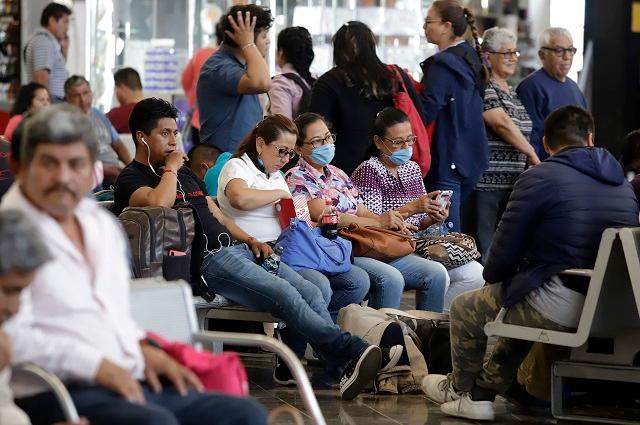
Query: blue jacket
<point>451,99</point>
<point>555,219</point>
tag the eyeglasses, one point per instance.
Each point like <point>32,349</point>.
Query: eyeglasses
<point>507,54</point>
<point>431,21</point>
<point>409,141</point>
<point>285,152</point>
<point>559,51</point>
<point>316,142</point>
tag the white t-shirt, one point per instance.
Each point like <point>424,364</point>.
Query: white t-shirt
<point>557,303</point>
<point>261,223</point>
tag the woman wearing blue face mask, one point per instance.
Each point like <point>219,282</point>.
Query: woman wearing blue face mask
<point>317,180</point>
<point>389,181</point>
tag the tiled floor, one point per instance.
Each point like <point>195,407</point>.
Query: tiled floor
<point>371,409</point>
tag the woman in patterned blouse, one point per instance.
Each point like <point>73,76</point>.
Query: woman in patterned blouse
<point>317,180</point>
<point>508,130</point>
<point>390,181</point>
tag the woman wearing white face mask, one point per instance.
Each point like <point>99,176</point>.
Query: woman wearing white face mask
<point>389,181</point>
<point>317,180</point>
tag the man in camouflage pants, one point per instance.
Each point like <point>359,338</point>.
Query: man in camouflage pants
<point>554,221</point>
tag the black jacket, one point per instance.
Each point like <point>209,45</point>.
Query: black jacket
<point>555,219</point>
<point>350,114</point>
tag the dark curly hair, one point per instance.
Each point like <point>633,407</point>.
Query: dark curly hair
<point>297,46</point>
<point>354,52</point>
<point>263,20</point>
<point>25,97</point>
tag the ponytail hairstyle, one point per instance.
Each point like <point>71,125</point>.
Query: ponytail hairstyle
<point>354,53</point>
<point>269,129</point>
<point>297,46</point>
<point>462,21</point>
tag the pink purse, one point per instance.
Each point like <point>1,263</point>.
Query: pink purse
<point>224,372</point>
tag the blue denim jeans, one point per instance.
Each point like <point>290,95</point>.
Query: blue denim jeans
<point>104,407</point>
<point>388,280</point>
<point>340,290</point>
<point>462,187</point>
<point>233,273</point>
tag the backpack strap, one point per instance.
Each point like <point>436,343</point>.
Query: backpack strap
<point>298,80</point>
<point>474,62</point>
<point>411,90</point>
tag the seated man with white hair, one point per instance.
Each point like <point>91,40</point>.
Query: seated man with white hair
<point>549,88</point>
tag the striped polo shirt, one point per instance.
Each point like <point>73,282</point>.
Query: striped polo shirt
<point>43,52</point>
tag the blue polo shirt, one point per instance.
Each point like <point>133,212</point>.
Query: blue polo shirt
<point>226,116</point>
<point>541,94</point>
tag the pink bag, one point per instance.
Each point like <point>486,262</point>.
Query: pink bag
<point>224,372</point>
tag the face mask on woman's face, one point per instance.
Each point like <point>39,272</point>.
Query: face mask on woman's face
<point>323,154</point>
<point>402,156</point>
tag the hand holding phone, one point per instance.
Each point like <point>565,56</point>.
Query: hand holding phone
<point>444,197</point>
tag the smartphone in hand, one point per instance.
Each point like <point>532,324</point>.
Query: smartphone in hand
<point>444,197</point>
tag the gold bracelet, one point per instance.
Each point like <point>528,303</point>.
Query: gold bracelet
<point>246,46</point>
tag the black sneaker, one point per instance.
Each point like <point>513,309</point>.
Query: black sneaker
<point>282,375</point>
<point>390,357</point>
<point>360,372</point>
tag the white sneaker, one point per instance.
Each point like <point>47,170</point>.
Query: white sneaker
<point>466,408</point>
<point>439,388</point>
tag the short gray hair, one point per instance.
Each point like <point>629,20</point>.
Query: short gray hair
<point>494,38</point>
<point>60,124</point>
<point>21,248</point>
<point>545,36</point>
<point>75,80</point>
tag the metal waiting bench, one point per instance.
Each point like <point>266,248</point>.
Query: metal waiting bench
<point>29,374</point>
<point>173,316</point>
<point>607,341</point>
<point>223,309</point>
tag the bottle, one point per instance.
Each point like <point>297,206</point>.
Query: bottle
<point>437,229</point>
<point>329,220</point>
<point>272,262</point>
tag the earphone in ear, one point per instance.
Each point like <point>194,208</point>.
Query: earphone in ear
<point>149,156</point>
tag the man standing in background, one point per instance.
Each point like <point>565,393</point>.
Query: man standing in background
<point>44,61</point>
<point>232,79</point>
<point>549,88</point>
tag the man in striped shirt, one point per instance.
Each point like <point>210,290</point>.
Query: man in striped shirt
<point>44,62</point>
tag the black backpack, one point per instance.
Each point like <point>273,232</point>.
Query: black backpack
<point>305,101</point>
<point>166,242</point>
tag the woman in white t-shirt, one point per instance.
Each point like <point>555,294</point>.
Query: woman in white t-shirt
<point>250,184</point>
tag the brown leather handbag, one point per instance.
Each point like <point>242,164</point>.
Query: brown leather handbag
<point>378,243</point>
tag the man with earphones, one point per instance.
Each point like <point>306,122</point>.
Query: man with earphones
<point>157,177</point>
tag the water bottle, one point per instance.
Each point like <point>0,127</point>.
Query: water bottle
<point>329,220</point>
<point>272,262</point>
<point>438,229</point>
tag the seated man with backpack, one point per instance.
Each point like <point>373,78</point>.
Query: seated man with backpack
<point>157,177</point>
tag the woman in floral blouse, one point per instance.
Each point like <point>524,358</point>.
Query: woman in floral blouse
<point>390,181</point>
<point>317,180</point>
